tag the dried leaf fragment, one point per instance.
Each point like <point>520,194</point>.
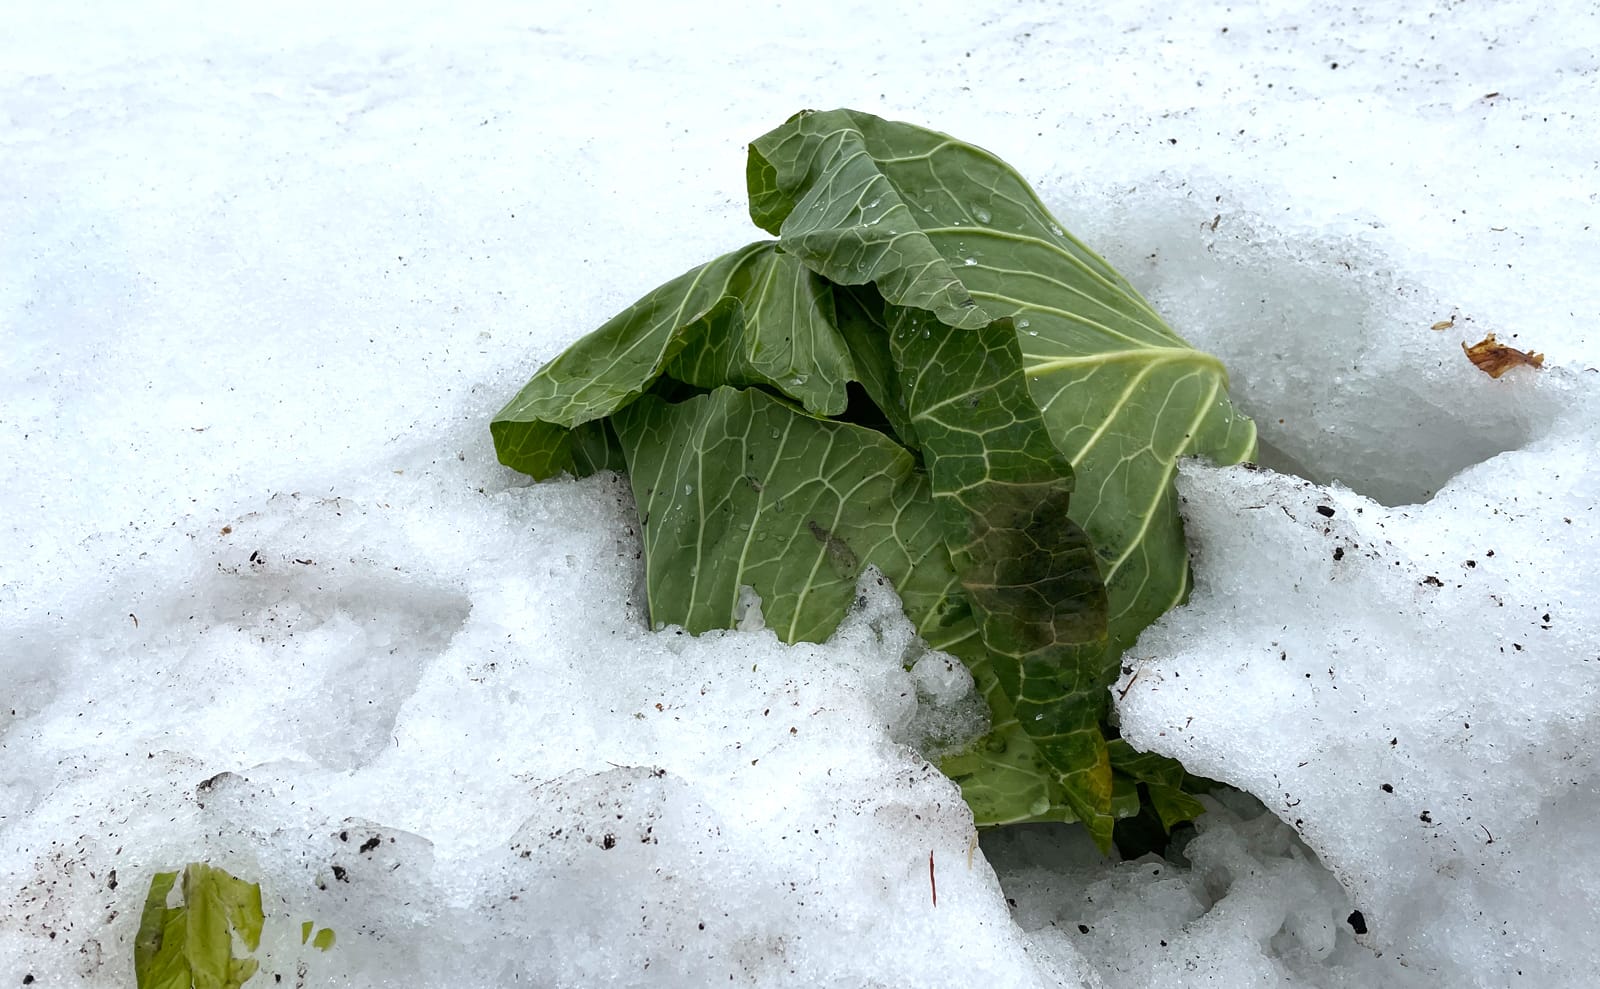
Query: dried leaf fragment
<point>1495,359</point>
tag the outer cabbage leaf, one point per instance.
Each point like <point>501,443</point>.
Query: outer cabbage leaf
<point>941,225</point>
<point>740,489</point>
<point>754,316</point>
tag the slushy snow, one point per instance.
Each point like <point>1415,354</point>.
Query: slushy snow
<point>267,600</point>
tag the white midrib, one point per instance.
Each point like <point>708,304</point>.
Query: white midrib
<point>1155,355</point>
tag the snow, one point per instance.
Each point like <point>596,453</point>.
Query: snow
<point>265,596</point>
<point>1438,664</point>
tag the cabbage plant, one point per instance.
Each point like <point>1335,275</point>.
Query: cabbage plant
<point>923,373</point>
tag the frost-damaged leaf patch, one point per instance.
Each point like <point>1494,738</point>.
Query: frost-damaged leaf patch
<point>924,373</point>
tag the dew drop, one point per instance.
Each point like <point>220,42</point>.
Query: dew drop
<point>969,262</point>
<point>981,213</point>
<point>1023,323</point>
<point>688,489</point>
<point>1039,807</point>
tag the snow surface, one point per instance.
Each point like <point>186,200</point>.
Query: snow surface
<point>266,600</point>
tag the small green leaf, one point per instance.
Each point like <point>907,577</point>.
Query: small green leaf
<point>1164,778</point>
<point>1174,805</point>
<point>190,945</point>
<point>155,968</point>
<point>1146,767</point>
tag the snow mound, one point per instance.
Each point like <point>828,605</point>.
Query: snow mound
<point>1241,903</point>
<point>1414,689</point>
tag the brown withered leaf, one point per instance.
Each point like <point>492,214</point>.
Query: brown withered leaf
<point>1495,359</point>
